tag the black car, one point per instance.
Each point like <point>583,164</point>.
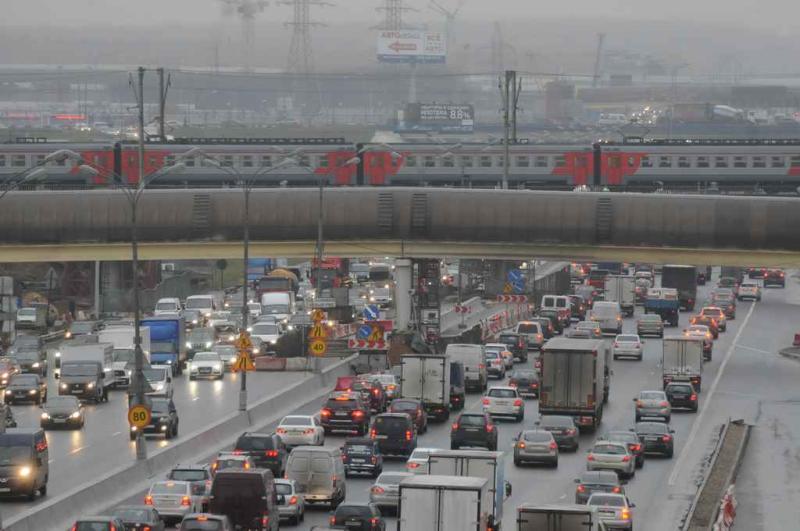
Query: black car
<point>372,393</point>
<point>62,412</point>
<point>517,344</point>
<point>31,362</point>
<point>395,433</point>
<point>552,315</point>
<point>139,518</point>
<point>526,381</point>
<point>355,517</point>
<point>199,340</point>
<point>198,475</point>
<point>473,429</point>
<point>628,437</point>
<point>596,481</point>
<point>681,395</point>
<point>775,277</point>
<point>26,388</point>
<point>563,429</point>
<point>362,455</point>
<point>414,409</point>
<point>8,368</point>
<point>345,411</point>
<point>265,449</point>
<point>656,437</point>
<point>548,330</point>
<point>163,419</point>
<point>99,523</point>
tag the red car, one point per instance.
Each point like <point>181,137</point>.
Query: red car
<point>414,409</point>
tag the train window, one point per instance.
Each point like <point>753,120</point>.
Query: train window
<point>739,162</point>
<point>665,162</point>
<point>411,161</point>
<point>304,160</point>
<point>323,161</point>
<point>2,160</point>
<point>647,162</point>
<point>540,161</point>
<point>614,161</point>
<point>18,161</point>
<point>560,161</point>
<point>266,161</point>
<point>500,161</point>
<point>189,162</point>
<point>683,162</point>
<point>467,161</point>
<point>702,162</point>
<point>523,161</point>
<point>795,160</point>
<point>778,162</point>
<point>169,160</point>
<point>247,161</point>
<point>720,162</point>
<point>38,160</point>
<point>447,161</point>
<point>430,161</point>
<point>486,161</point>
<point>759,162</point>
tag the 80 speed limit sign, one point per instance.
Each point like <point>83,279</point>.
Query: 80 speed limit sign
<point>139,416</point>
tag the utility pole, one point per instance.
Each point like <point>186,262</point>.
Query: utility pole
<point>598,59</point>
<point>163,89</point>
<point>509,92</point>
<point>318,253</point>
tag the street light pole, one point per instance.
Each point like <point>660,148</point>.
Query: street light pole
<point>247,187</point>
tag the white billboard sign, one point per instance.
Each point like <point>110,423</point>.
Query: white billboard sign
<point>411,46</point>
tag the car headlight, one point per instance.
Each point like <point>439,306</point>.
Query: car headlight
<point>273,341</point>
<point>90,385</point>
<point>33,391</point>
<point>194,321</point>
<point>188,344</point>
<point>290,327</point>
<point>256,351</point>
<point>372,299</point>
<point>9,391</point>
<point>45,416</point>
<point>68,335</point>
<point>231,338</point>
<point>158,386</point>
<point>76,415</point>
<point>5,375</point>
<point>24,471</point>
<point>133,428</point>
<point>207,314</point>
<point>249,328</point>
<point>208,344</point>
<point>36,365</point>
<point>130,373</point>
<point>58,354</point>
<point>64,386</point>
<point>218,366</point>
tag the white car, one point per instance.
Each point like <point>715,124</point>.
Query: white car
<point>627,346</point>
<point>749,290</point>
<point>291,504</point>
<point>508,360</point>
<point>254,308</point>
<point>160,380</point>
<point>169,305</point>
<point>207,365</point>
<point>504,401</point>
<point>495,365</point>
<point>613,509</point>
<point>301,430</point>
<point>172,499</point>
<point>381,296</point>
<point>267,335</point>
<point>227,353</point>
<point>611,455</point>
<point>418,460</point>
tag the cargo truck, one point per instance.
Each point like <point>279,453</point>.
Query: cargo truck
<point>566,517</point>
<point>426,377</point>
<point>167,342</point>
<point>682,360</point>
<point>86,371</point>
<point>622,290</point>
<point>575,380</point>
<point>475,463</point>
<point>663,302</point>
<point>122,338</point>
<point>444,503</point>
<point>684,279</point>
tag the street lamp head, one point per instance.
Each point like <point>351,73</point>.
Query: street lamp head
<point>85,168</point>
<point>38,174</point>
<point>352,161</point>
<point>192,152</point>
<point>62,154</point>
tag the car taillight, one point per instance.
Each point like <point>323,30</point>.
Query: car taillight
<point>271,453</point>
<point>636,447</point>
<point>148,500</point>
<point>408,435</point>
<point>186,501</point>
<point>666,438</point>
<point>481,366</point>
<point>626,514</point>
<point>616,490</point>
<point>518,402</point>
<point>373,433</point>
<point>521,445</point>
<point>281,431</point>
<point>693,397</point>
<point>412,466</point>
<point>391,387</point>
<point>490,428</point>
<point>308,431</point>
<point>626,458</point>
<point>512,384</point>
<point>237,452</point>
<point>264,521</point>
<point>325,412</point>
<point>553,445</point>
<point>293,500</point>
<point>377,490</point>
<point>590,457</point>
<point>373,459</point>
<point>581,488</point>
<point>454,426</point>
<point>375,392</point>
<point>357,414</point>
<point>616,344</point>
<point>333,520</point>
<point>374,521</point>
<point>534,385</point>
<point>485,401</point>
<point>663,403</point>
<point>639,403</point>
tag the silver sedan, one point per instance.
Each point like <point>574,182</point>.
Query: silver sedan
<point>627,346</point>
<point>385,492</point>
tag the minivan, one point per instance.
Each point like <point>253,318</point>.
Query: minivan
<point>395,433</point>
<point>318,473</point>
<point>474,359</point>
<point>533,329</point>
<point>24,462</point>
<point>609,315</point>
<point>560,304</point>
<point>169,305</point>
<point>247,497</point>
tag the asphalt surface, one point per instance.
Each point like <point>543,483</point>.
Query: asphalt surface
<point>746,379</point>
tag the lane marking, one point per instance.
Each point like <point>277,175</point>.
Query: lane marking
<point>78,449</point>
<point>698,420</point>
<point>195,399</point>
<point>759,350</point>
<point>116,433</point>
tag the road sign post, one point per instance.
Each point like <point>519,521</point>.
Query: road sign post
<point>318,335</point>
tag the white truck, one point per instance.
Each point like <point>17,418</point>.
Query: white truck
<point>444,503</point>
<point>473,357</point>
<point>682,360</point>
<point>122,338</point>
<point>279,304</point>
<point>426,377</point>
<point>566,517</point>
<point>608,314</point>
<point>622,290</point>
<point>86,371</point>
<point>475,463</point>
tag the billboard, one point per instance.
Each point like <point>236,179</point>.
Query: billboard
<point>411,46</point>
<point>443,117</point>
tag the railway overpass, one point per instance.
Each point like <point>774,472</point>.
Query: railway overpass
<point>412,222</point>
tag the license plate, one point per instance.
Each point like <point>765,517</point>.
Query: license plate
<point>472,429</point>
<point>357,460</point>
<point>501,403</point>
<point>5,489</point>
<point>76,391</point>
<point>59,421</point>
<point>341,414</point>
<point>651,439</point>
<point>382,437</point>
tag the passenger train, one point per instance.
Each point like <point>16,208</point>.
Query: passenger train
<point>773,164</point>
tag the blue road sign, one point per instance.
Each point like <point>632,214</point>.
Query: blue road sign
<point>514,276</point>
<point>371,312</point>
<point>363,331</point>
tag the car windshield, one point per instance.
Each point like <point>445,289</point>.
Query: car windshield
<point>492,354</point>
<point>508,339</point>
<point>630,339</point>
<point>502,393</point>
<point>15,455</point>
<point>528,328</point>
<point>26,312</point>
<point>681,388</point>
<point>81,328</point>
<point>199,304</point>
<point>199,335</point>
<point>230,462</point>
<point>297,421</point>
<point>608,449</point>
<point>254,443</point>
<point>537,436</point>
<point>155,375</point>
<point>225,350</point>
<point>657,428</point>
<point>188,475</point>
<point>358,448</point>
<point>194,523</point>
<point>404,405</point>
<point>124,354</point>
<point>347,511</point>
<point>607,501</point>
<point>168,487</point>
<point>166,306</point>
<point>79,369</point>
<point>206,356</point>
<point>712,312</point>
<point>391,424</point>
<point>472,420</point>
<point>27,355</point>
<point>133,515</point>
<point>651,395</point>
<point>283,488</point>
<point>24,379</point>
<point>265,329</point>
<point>61,402</point>
<point>160,407</point>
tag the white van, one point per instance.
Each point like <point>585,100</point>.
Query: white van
<point>279,304</point>
<point>205,304</point>
<point>560,304</point>
<point>169,305</point>
<point>473,357</point>
<point>609,315</point>
<point>318,472</point>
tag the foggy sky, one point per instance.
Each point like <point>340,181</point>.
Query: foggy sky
<point>780,15</point>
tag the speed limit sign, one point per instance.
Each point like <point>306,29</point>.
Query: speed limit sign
<point>139,416</point>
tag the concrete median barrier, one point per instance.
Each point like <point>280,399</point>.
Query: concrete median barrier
<point>59,512</point>
<point>270,363</point>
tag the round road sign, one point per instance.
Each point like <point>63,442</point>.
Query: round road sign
<point>139,416</point>
<point>318,347</point>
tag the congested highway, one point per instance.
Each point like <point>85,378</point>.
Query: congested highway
<point>744,376</point>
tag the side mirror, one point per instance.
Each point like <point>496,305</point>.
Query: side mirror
<point>672,431</point>
<point>632,505</point>
<point>169,379</point>
<point>635,399</point>
<point>576,480</point>
<point>56,375</point>
<point>508,489</point>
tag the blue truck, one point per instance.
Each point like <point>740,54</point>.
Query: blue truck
<point>167,342</point>
<point>664,302</point>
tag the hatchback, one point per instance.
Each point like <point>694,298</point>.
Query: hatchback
<point>656,437</point>
<point>651,404</point>
<point>265,449</point>
<point>417,462</point>
<point>473,429</point>
<point>681,395</point>
<point>563,429</point>
<point>495,365</point>
<point>634,444</point>
<point>592,481</point>
<point>535,446</point>
<point>504,402</point>
<point>614,456</point>
<point>650,324</point>
<point>749,290</point>
<point>414,409</point>
<point>526,381</point>
<point>355,517</point>
<point>613,509</point>
<point>627,346</point>
<point>291,506</point>
<point>716,313</point>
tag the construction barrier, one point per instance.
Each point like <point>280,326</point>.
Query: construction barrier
<point>727,511</point>
<point>270,363</point>
<point>297,364</point>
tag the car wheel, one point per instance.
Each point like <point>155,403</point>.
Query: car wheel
<point>191,378</point>
<point>520,417</point>
<point>294,520</point>
<point>637,418</point>
<point>639,463</point>
<point>615,357</point>
<point>517,462</point>
<point>554,464</point>
<point>667,418</point>
<point>175,431</point>
<point>133,436</point>
<point>454,446</point>
<point>669,453</point>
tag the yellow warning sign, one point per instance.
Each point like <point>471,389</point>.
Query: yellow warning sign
<point>243,363</point>
<point>318,331</point>
<point>318,347</point>
<point>508,288</point>
<point>243,341</point>
<point>317,315</point>
<point>376,334</point>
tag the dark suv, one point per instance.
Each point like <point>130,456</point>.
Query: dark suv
<point>775,277</point>
<point>395,433</point>
<point>563,429</point>
<point>473,429</point>
<point>372,393</point>
<point>517,344</point>
<point>361,455</point>
<point>414,409</point>
<point>656,437</point>
<point>345,411</point>
<point>265,449</point>
<point>357,518</point>
<point>681,394</point>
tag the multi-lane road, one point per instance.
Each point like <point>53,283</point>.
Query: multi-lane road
<point>746,379</point>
